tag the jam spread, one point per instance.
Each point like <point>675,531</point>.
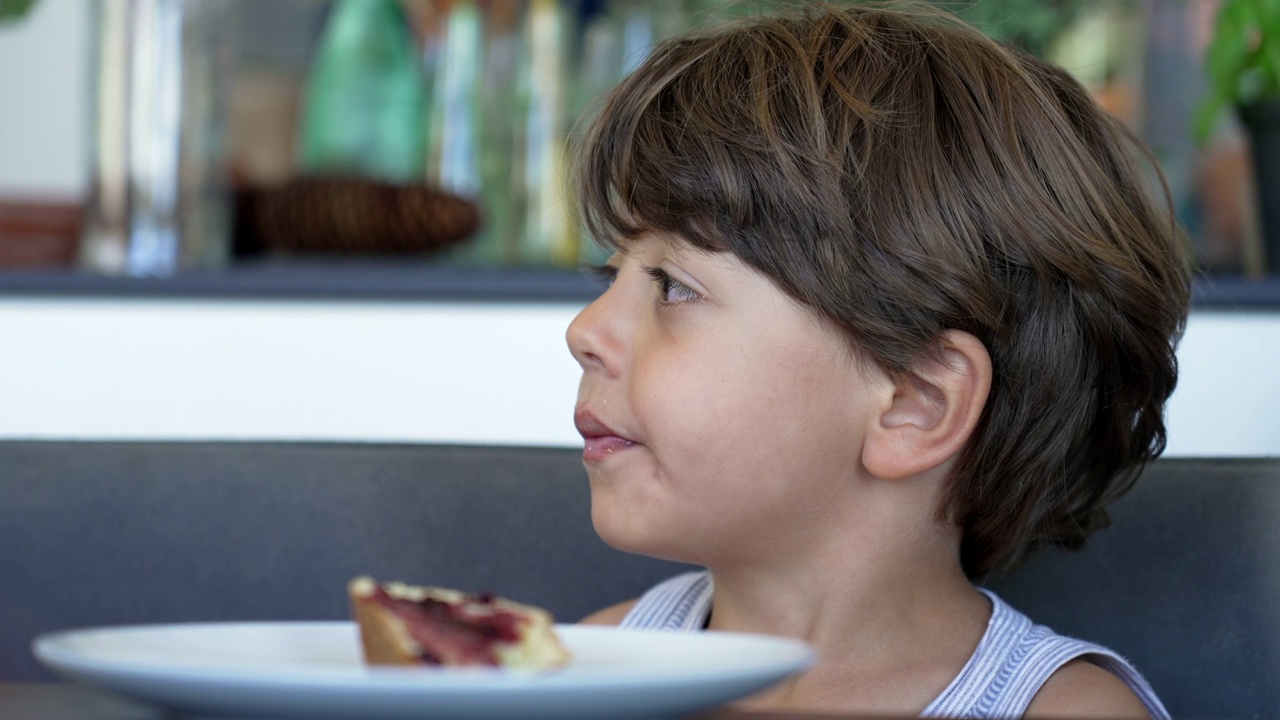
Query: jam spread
<point>463,633</point>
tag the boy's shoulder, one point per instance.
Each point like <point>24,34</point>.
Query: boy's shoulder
<point>1062,676</point>
<point>1082,689</point>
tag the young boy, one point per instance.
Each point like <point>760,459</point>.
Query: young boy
<point>890,307</point>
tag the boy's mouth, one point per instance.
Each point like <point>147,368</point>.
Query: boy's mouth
<point>598,448</point>
<point>601,440</point>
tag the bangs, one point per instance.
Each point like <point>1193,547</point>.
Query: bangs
<point>636,162</point>
<point>703,142</point>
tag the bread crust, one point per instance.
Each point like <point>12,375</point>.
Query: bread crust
<point>382,634</point>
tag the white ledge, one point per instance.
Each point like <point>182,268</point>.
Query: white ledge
<point>433,372</point>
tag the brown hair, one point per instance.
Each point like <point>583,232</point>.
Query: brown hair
<point>902,175</point>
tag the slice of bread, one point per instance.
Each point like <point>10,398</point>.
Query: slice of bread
<point>413,625</point>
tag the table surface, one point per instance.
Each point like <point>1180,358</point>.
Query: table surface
<point>65,701</point>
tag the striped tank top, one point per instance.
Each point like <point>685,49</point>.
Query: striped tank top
<point>1013,659</point>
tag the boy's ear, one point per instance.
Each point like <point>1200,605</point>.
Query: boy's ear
<point>933,411</point>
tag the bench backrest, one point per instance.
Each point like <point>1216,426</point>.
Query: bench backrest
<point>1186,584</point>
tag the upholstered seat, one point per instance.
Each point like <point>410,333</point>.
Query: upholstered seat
<point>1187,583</point>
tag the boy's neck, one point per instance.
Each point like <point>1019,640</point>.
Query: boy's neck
<point>892,621</point>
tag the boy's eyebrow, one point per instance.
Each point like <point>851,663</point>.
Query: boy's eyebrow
<point>681,249</point>
<point>602,272</point>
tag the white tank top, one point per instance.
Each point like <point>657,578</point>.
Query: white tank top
<point>1013,659</point>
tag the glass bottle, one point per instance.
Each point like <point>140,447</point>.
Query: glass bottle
<point>365,105</point>
<point>548,235</point>
<point>160,199</point>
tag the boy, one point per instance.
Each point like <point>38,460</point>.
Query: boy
<point>890,307</point>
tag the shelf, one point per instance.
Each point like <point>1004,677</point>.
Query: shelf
<point>1236,293</point>
<point>376,280</point>
<point>388,280</point>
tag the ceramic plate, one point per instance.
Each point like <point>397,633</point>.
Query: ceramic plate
<point>314,670</point>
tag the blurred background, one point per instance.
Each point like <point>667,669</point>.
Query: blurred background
<point>335,221</point>
<point>149,137</point>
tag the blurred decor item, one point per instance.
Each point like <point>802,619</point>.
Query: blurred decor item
<point>365,102</point>
<point>1032,25</point>
<point>351,216</point>
<point>499,114</point>
<point>1243,64</point>
<point>500,105</point>
<point>39,234</point>
<point>13,10</point>
<point>548,236</point>
<point>458,60</point>
<point>1099,50</point>
<point>159,199</point>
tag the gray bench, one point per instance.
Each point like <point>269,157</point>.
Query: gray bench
<point>1187,583</point>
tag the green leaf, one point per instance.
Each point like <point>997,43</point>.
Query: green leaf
<point>1269,13</point>
<point>1228,53</point>
<point>14,9</point>
<point>1225,60</point>
<point>1242,61</point>
<point>1206,117</point>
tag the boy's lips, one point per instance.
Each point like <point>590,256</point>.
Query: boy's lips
<point>601,440</point>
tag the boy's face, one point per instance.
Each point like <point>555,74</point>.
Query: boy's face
<point>722,419</point>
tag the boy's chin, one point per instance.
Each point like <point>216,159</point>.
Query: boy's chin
<point>637,539</point>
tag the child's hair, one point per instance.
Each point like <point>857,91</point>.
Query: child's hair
<point>901,174</point>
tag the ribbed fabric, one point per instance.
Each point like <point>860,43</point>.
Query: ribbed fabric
<point>681,603</point>
<point>1012,661</point>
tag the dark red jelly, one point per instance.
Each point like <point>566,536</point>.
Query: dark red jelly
<point>464,633</point>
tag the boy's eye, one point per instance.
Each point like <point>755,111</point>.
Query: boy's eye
<point>672,291</point>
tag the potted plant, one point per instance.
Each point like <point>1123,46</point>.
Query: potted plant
<point>1243,67</point>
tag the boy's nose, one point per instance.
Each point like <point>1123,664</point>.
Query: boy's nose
<point>591,340</point>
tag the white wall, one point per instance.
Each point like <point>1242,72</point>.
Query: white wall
<point>432,372</point>
<point>1228,396</point>
<point>239,370</point>
<point>45,98</point>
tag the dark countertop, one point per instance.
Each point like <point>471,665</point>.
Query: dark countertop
<point>56,701</point>
<point>61,701</point>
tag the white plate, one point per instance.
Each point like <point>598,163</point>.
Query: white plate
<point>314,670</point>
